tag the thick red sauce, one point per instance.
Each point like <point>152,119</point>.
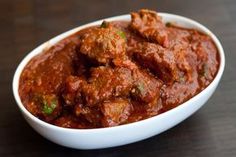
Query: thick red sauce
<point>118,73</point>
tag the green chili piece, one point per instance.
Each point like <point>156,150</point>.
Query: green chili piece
<point>121,34</point>
<point>104,24</point>
<point>49,108</point>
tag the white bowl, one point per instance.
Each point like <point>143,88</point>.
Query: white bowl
<point>128,133</point>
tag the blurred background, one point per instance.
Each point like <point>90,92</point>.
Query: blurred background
<point>24,24</point>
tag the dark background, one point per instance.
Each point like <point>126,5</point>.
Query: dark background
<point>26,24</point>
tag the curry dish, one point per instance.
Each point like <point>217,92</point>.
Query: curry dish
<point>118,72</point>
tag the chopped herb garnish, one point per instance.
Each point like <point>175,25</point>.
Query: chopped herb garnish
<point>47,110</point>
<point>104,24</point>
<point>121,34</point>
<point>49,106</point>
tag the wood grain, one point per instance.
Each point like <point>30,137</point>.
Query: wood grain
<point>24,24</point>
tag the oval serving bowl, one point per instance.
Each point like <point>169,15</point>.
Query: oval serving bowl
<point>128,133</point>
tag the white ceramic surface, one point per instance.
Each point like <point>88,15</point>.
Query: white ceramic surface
<point>124,134</point>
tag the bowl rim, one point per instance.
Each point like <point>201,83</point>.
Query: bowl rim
<point>54,40</point>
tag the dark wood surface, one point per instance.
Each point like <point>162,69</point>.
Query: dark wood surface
<point>25,24</point>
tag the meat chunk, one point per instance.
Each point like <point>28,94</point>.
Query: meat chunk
<point>115,112</point>
<point>169,65</point>
<point>103,44</point>
<point>106,82</point>
<point>122,81</point>
<point>159,60</point>
<point>73,86</point>
<point>98,86</point>
<point>181,48</point>
<point>149,25</point>
<point>146,87</point>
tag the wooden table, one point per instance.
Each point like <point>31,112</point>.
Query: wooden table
<point>25,24</point>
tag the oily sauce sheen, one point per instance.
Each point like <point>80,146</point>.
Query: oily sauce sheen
<point>117,73</point>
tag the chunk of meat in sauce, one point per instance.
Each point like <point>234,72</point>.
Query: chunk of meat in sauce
<point>106,82</point>
<point>180,46</point>
<point>103,44</point>
<point>146,87</point>
<point>149,25</point>
<point>71,93</point>
<point>115,112</point>
<point>168,64</point>
<point>158,60</point>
